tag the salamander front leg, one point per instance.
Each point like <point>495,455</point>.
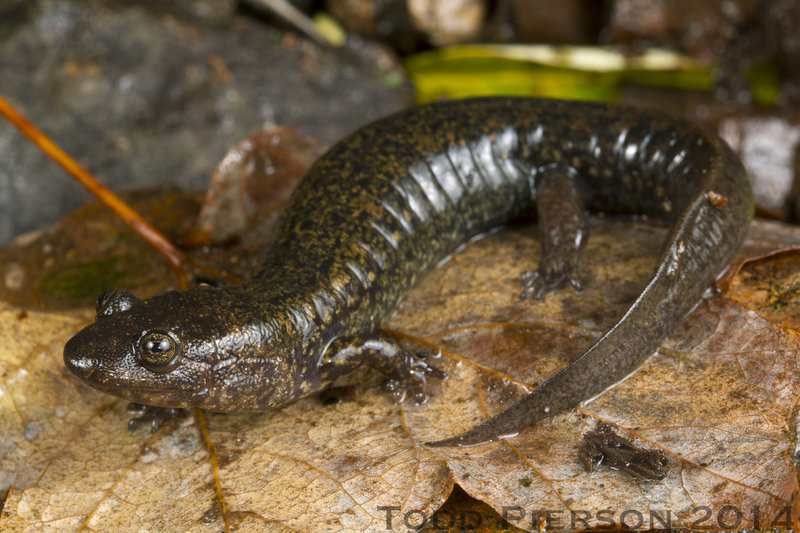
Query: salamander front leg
<point>407,372</point>
<point>155,417</point>
<point>562,230</point>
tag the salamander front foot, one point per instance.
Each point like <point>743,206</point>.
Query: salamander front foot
<point>153,416</point>
<point>408,379</point>
<point>407,372</point>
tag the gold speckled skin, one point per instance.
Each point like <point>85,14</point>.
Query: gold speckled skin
<point>386,204</point>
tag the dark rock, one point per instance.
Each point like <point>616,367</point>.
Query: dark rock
<point>141,96</point>
<point>732,35</point>
<point>545,21</point>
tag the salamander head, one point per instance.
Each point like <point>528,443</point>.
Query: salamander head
<point>178,349</point>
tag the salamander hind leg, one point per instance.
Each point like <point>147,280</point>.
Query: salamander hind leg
<point>407,372</point>
<point>563,230</point>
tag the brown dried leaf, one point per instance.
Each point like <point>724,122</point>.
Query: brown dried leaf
<point>92,250</point>
<point>256,173</point>
<point>720,399</point>
<point>769,283</point>
<point>310,467</point>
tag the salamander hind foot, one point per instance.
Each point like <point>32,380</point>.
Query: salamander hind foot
<point>563,229</point>
<point>539,283</point>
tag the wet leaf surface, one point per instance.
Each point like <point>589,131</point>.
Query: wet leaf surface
<point>771,288</point>
<point>719,399</point>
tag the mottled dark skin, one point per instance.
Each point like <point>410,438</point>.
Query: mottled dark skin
<point>382,207</point>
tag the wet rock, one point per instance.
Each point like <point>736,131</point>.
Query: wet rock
<point>698,27</point>
<point>733,35</point>
<point>210,11</point>
<point>767,145</point>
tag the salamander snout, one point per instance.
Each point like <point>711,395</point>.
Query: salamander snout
<point>84,352</point>
<point>81,354</point>
<point>98,352</point>
<point>80,364</point>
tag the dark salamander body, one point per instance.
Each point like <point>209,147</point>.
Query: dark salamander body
<point>386,204</point>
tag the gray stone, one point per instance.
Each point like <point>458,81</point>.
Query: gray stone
<point>144,97</point>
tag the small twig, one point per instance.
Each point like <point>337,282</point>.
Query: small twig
<point>175,257</point>
<point>212,453</point>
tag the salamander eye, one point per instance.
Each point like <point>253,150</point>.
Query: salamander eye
<point>159,351</point>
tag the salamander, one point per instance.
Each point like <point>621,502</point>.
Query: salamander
<point>387,203</point>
